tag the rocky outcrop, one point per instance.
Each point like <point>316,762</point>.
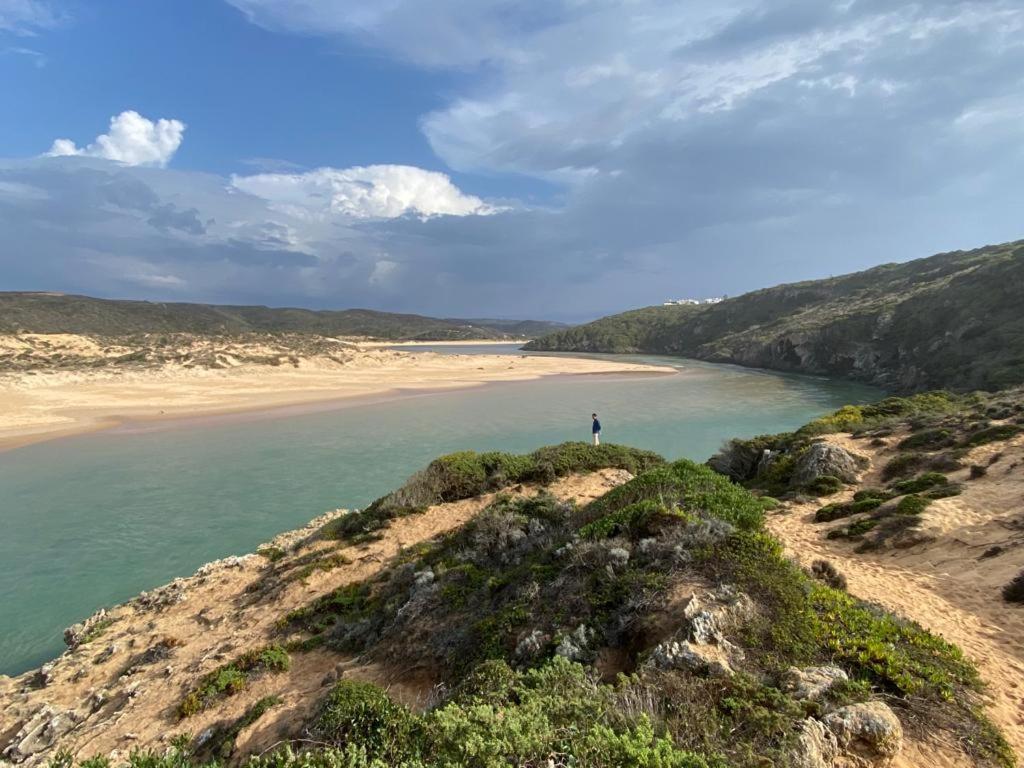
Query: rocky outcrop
<point>870,732</point>
<point>816,746</point>
<point>702,646</point>
<point>812,683</point>
<point>825,459</point>
<point>40,733</point>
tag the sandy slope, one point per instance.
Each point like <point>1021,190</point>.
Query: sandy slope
<point>60,384</point>
<point>944,584</point>
<point>224,610</point>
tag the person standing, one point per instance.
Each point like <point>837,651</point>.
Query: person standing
<point>596,429</point>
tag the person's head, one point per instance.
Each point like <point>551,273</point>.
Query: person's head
<point>593,415</point>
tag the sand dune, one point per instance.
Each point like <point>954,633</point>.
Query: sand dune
<point>951,582</point>
<point>58,384</point>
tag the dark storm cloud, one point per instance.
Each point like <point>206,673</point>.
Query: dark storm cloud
<point>701,148</point>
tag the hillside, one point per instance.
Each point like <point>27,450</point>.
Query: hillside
<point>948,321</point>
<point>577,606</point>
<point>22,312</point>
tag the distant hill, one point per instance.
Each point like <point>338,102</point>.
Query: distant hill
<point>953,320</point>
<point>64,313</point>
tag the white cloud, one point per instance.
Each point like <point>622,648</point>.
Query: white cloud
<point>132,140</point>
<point>364,192</point>
<point>25,17</point>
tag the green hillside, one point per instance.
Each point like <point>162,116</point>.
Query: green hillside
<point>952,320</point>
<point>61,313</point>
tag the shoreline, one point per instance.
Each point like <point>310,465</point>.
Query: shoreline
<point>251,399</point>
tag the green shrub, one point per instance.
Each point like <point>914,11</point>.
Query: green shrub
<point>944,491</point>
<point>466,474</point>
<point>832,512</point>
<point>991,435</point>
<point>826,485</point>
<point>920,483</point>
<point>1014,591</point>
<point>362,714</point>
<point>872,493</point>
<point>625,521</point>
<point>233,678</point>
<point>912,505</point>
<point>928,439</point>
<point>902,465</point>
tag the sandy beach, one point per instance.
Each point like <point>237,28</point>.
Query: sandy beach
<point>57,385</point>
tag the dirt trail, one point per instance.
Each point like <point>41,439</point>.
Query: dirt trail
<point>944,583</point>
<point>114,701</point>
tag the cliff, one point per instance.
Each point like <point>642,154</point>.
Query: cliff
<point>949,321</point>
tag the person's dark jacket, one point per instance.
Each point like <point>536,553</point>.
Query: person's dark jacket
<point>597,426</point>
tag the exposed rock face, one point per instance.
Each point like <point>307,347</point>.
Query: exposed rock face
<point>576,646</point>
<point>812,683</point>
<point>870,732</point>
<point>76,634</point>
<point>704,648</point>
<point>40,733</point>
<point>822,459</point>
<point>816,746</point>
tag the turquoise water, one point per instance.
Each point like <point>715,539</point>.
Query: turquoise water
<point>90,521</point>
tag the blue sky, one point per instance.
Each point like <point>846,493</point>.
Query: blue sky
<point>557,159</point>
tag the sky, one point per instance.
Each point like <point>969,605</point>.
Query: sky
<point>558,159</point>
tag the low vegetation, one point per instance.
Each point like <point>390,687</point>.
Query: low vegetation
<point>233,678</point>
<point>531,589</point>
<point>549,628</point>
<point>949,321</point>
<point>466,474</point>
<point>59,313</point>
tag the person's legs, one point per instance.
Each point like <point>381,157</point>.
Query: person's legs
<point>597,438</point>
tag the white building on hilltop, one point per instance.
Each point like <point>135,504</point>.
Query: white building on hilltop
<point>686,302</point>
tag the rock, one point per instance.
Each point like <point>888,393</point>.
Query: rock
<point>869,731</point>
<point>76,634</point>
<point>532,644</point>
<point>709,659</point>
<point>39,733</point>
<point>738,460</point>
<point>204,737</point>
<point>812,682</point>
<point>162,597</point>
<point>704,647</point>
<point>234,561</point>
<point>97,699</point>
<point>576,646</point>
<point>822,459</point>
<point>423,579</point>
<point>44,675</point>
<point>107,653</point>
<point>816,746</point>
<point>713,615</point>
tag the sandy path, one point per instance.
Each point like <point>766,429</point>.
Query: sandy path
<point>46,403</point>
<point>942,584</point>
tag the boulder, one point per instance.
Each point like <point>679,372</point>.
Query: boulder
<point>816,746</point>
<point>821,459</point>
<point>869,732</point>
<point>702,658</point>
<point>40,733</point>
<point>702,646</point>
<point>812,683</point>
<point>576,646</point>
<point>738,460</point>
